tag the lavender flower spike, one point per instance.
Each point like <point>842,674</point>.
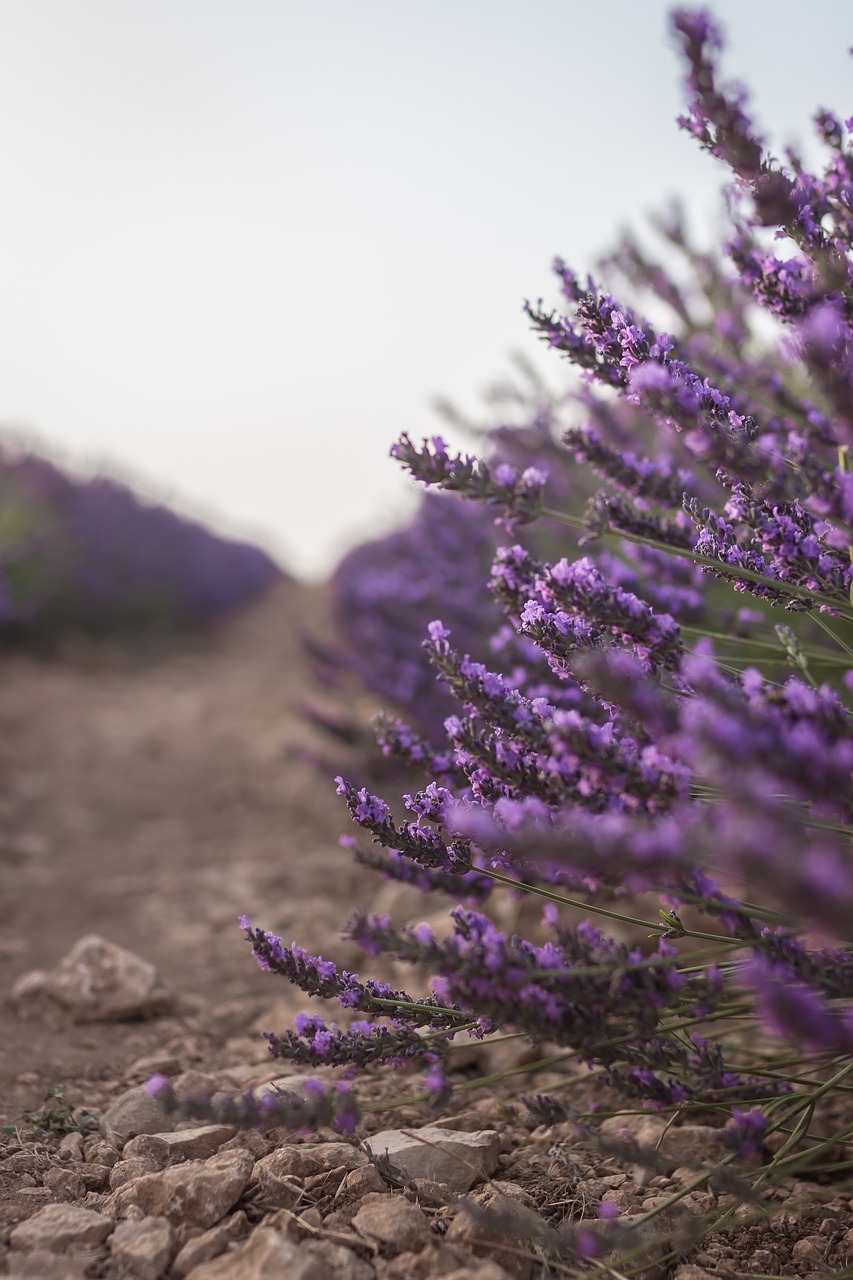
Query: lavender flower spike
<point>520,495</point>
<point>423,845</point>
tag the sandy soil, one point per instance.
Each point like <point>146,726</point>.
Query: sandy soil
<point>152,794</point>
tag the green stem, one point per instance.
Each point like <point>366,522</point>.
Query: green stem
<point>421,1008</point>
<point>730,572</point>
<point>772,647</point>
<point>569,902</point>
<point>842,644</point>
<point>751,908</point>
<point>806,1104</point>
<point>723,1015</point>
<point>812,824</point>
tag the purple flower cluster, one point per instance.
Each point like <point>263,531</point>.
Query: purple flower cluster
<point>552,990</point>
<point>604,1000</point>
<point>792,1008</point>
<point>509,746</point>
<point>386,591</point>
<point>518,494</point>
<point>419,841</point>
<point>317,1105</point>
<point>318,977</point>
<point>315,1042</point>
<point>723,420</point>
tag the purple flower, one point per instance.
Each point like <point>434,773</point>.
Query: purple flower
<point>159,1086</point>
<point>520,497</point>
<point>746,1131</point>
<point>422,844</point>
<point>798,1012</point>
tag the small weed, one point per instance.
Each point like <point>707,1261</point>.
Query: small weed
<point>56,1117</point>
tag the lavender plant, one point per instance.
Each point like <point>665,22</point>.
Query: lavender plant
<point>90,555</point>
<point>669,714</point>
<point>386,591</point>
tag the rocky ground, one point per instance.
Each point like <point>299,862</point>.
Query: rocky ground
<point>149,796</point>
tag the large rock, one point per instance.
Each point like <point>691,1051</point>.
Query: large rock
<point>183,1144</point>
<point>97,981</point>
<point>41,1265</point>
<point>360,1182</point>
<point>306,1160</point>
<point>437,1259</point>
<point>340,1263</point>
<point>134,1113</point>
<point>199,1143</point>
<point>60,1227</point>
<point>265,1256</point>
<point>63,1183</point>
<point>449,1156</point>
<point>282,1174</point>
<point>210,1244</point>
<point>142,1249</point>
<point>197,1193</point>
<point>97,1151</point>
<point>130,1170</point>
<point>503,1236</point>
<point>150,1147</point>
<point>268,1255</point>
<point>393,1222</point>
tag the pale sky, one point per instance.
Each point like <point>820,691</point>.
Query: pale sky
<point>245,243</point>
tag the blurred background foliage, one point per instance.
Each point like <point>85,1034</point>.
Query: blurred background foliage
<point>90,555</point>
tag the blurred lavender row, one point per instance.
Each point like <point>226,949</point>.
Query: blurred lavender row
<point>90,555</point>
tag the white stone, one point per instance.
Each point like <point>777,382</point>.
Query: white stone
<point>210,1244</point>
<point>306,1160</point>
<point>282,1173</point>
<point>392,1221</point>
<point>266,1255</point>
<point>150,1147</point>
<point>197,1144</point>
<point>144,1247</point>
<point>338,1262</point>
<point>197,1193</point>
<point>126,1171</point>
<point>503,1238</point>
<point>41,1265</point>
<point>135,1112</point>
<point>98,981</point>
<point>450,1156</point>
<point>58,1227</point>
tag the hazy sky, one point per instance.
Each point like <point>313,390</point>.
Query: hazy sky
<point>244,243</point>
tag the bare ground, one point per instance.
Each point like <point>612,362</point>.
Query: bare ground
<point>154,792</point>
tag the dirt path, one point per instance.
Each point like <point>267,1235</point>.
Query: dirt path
<point>152,796</point>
